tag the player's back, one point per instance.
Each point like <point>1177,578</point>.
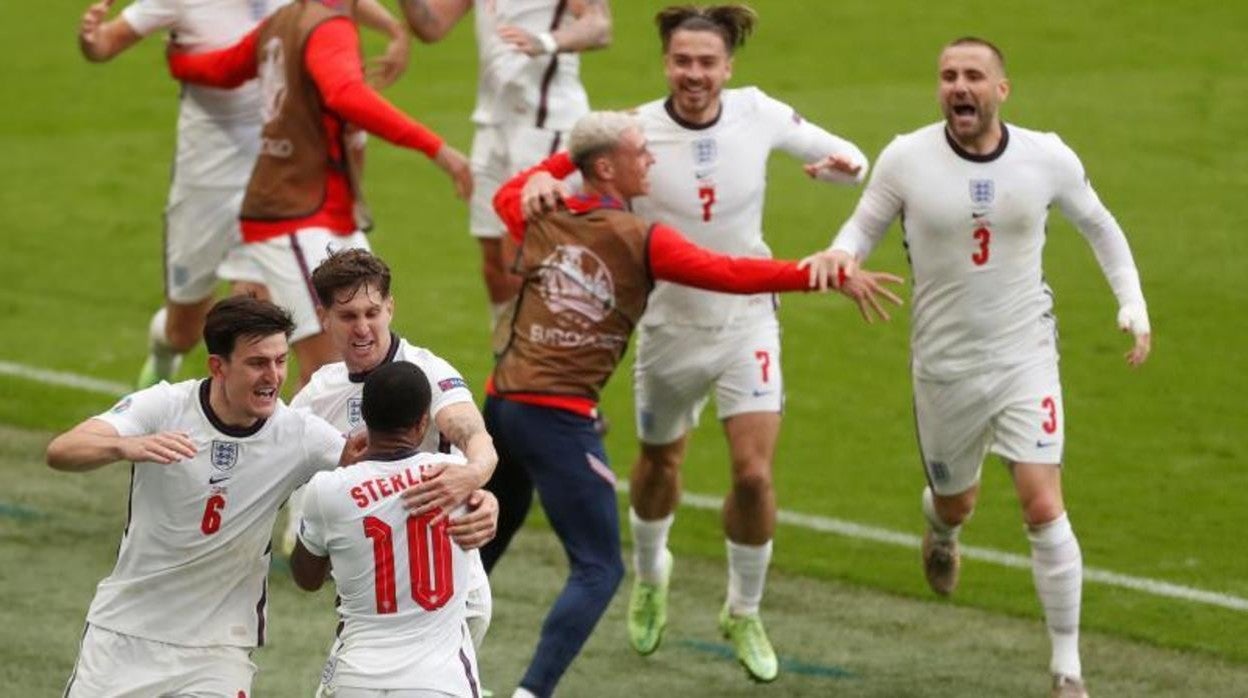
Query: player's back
<point>401,581</point>
<point>218,129</point>
<point>540,91</point>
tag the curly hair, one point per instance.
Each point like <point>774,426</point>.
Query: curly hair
<point>734,23</point>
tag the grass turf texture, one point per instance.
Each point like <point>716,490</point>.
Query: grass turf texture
<point>1152,96</point>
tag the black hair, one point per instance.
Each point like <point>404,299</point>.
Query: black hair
<point>396,397</point>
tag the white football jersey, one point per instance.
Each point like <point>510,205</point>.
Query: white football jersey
<point>974,229</point>
<point>401,583</point>
<point>218,130</point>
<point>335,394</point>
<point>513,88</point>
<point>709,183</point>
<point>194,559</point>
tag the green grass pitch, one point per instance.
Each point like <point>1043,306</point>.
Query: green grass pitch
<point>1154,98</point>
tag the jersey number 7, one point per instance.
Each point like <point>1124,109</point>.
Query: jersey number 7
<point>428,562</point>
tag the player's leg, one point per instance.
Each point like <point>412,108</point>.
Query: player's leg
<point>568,464</point>
<point>669,388</point>
<point>287,263</point>
<point>488,159</point>
<point>200,225</point>
<point>510,482</point>
<point>1030,435</point>
<point>954,422</point>
<point>749,397</point>
<point>245,277</point>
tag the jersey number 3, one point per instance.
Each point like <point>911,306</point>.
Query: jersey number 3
<point>984,236</point>
<point>428,562</point>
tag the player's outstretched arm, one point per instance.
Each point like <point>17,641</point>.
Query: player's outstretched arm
<point>591,29</point>
<point>1133,318</point>
<point>95,443</point>
<point>308,570</point>
<point>385,69</point>
<point>840,270</point>
<point>430,20</point>
<point>477,527</point>
<point>101,40</point>
<point>332,59</point>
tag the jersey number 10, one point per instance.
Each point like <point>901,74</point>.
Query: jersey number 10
<point>428,562</point>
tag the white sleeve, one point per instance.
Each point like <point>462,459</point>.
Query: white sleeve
<point>1079,202</point>
<point>312,525</point>
<point>322,443</point>
<point>143,412</point>
<point>446,385</point>
<point>149,16</point>
<point>806,141</point>
<point>303,399</point>
<point>881,202</point>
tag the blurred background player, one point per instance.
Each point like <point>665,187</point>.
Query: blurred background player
<point>588,271</point>
<point>709,180</point>
<point>212,461</point>
<point>529,94</point>
<point>400,580</point>
<point>976,193</point>
<point>303,198</point>
<point>217,142</point>
<point>356,309</point>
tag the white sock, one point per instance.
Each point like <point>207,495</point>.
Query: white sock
<point>1057,567</point>
<point>747,573</point>
<point>940,529</point>
<point>523,693</point>
<point>164,357</point>
<point>649,542</point>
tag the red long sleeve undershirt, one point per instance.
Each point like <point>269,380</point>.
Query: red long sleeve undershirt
<point>332,59</point>
<point>672,257</point>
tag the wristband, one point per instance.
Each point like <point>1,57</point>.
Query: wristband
<point>548,43</point>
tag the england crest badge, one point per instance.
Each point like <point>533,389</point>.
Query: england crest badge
<point>982,191</point>
<point>224,455</point>
<point>354,417</point>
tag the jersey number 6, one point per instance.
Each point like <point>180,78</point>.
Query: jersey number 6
<point>211,523</point>
<point>428,562</point>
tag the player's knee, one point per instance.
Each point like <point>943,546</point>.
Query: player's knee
<point>182,337</point>
<point>752,480</point>
<point>1042,509</point>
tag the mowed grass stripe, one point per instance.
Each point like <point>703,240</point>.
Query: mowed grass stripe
<point>833,638</point>
<point>822,524</point>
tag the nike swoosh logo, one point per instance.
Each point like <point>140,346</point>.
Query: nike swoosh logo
<point>1045,444</point>
<point>217,478</point>
<point>760,393</point>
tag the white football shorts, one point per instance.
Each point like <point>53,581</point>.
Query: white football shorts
<point>287,262</point>
<point>203,244</point>
<point>113,665</point>
<point>498,152</point>
<point>405,664</point>
<point>677,366</point>
<point>1015,413</point>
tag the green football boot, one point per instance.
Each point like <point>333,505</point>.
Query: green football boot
<point>749,641</point>
<point>647,611</point>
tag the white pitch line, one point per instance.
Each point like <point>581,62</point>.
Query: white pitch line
<point>62,378</point>
<point>822,524</point>
<point>850,529</point>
